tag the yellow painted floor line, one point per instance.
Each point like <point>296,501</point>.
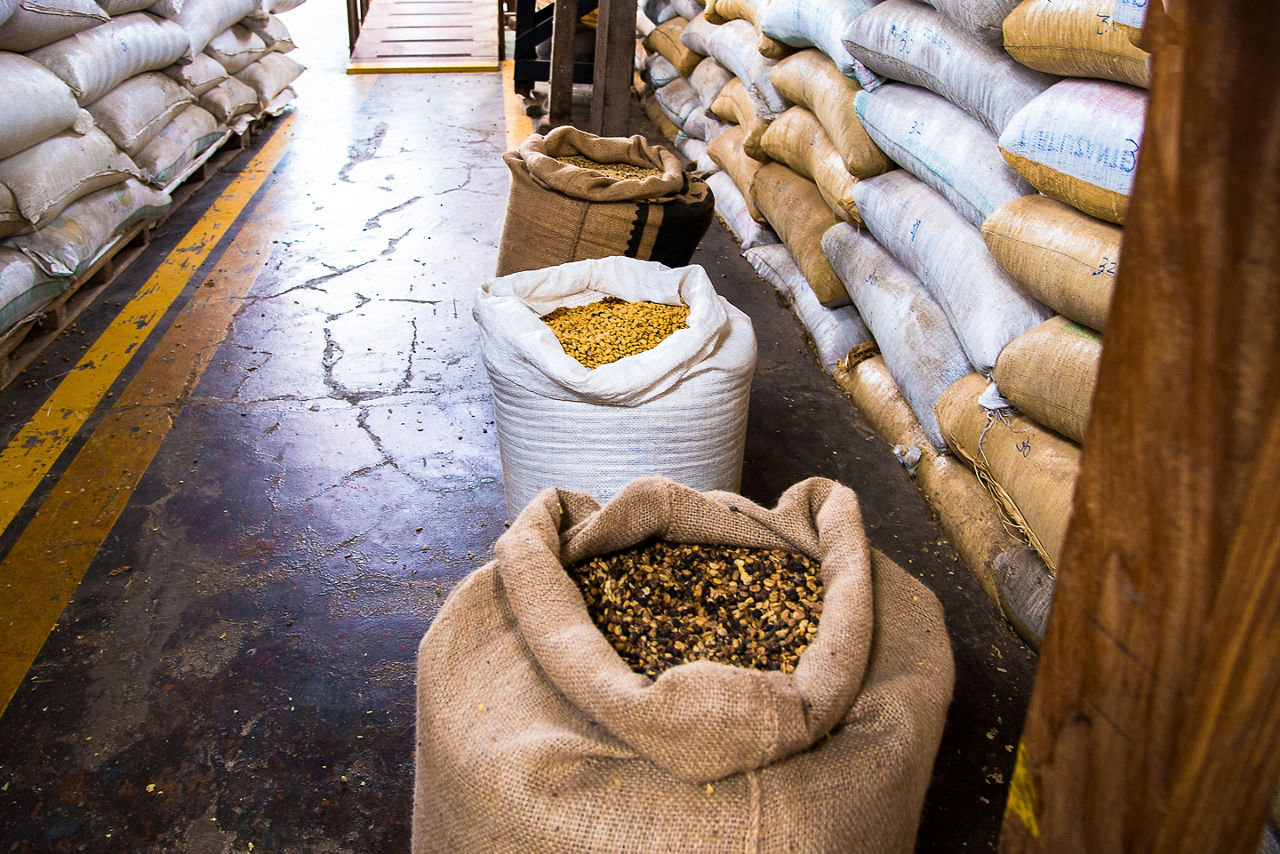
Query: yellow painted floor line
<point>32,452</point>
<point>519,125</point>
<point>71,525</point>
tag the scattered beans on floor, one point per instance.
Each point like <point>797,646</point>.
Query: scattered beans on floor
<point>661,604</point>
<point>602,332</point>
<point>617,171</point>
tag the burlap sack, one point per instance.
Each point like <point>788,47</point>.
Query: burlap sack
<point>1049,373</point>
<point>797,139</point>
<point>728,152</point>
<point>812,81</point>
<point>1063,257</point>
<point>735,46</point>
<point>558,212</point>
<point>734,105</point>
<point>797,211</point>
<point>1030,471</point>
<point>533,735</point>
<point>1074,38</point>
<point>665,39</point>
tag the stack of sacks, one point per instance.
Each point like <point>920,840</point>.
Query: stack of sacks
<point>820,24</point>
<point>751,11</point>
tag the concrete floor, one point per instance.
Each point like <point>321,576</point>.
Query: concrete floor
<point>237,665</point>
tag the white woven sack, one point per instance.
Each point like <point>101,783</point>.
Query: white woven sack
<point>941,145</point>
<point>96,61</point>
<point>732,209</point>
<point>1130,13</point>
<point>660,70</point>
<point>47,177</point>
<point>659,11</point>
<point>68,244</point>
<point>279,101</point>
<point>11,220</point>
<point>735,46</point>
<point>236,47</point>
<point>703,124</point>
<point>204,19</point>
<point>981,18</point>
<point>36,23</point>
<point>688,9</point>
<point>697,33</point>
<point>644,26</point>
<point>695,151</point>
<point>134,112</point>
<point>35,104</point>
<point>915,337</point>
<point>7,8</point>
<point>821,24</point>
<point>928,236</point>
<point>275,7</point>
<point>834,331</point>
<point>182,140</point>
<point>24,289</point>
<point>270,75</point>
<point>273,33</point>
<point>678,100</point>
<point>708,79</point>
<point>116,8</point>
<point>229,100</point>
<point>909,41</point>
<point>678,410</point>
<point>1087,130</point>
<point>198,76</point>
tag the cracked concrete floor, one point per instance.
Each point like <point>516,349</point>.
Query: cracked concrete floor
<point>237,665</point>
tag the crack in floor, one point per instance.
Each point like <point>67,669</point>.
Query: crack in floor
<point>363,150</point>
<point>375,220</point>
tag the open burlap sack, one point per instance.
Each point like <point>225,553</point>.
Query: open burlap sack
<point>533,735</point>
<point>558,212</point>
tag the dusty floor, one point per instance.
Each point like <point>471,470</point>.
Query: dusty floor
<point>306,466</point>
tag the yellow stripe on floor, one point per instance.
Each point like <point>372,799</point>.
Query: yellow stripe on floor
<point>519,125</point>
<point>47,563</point>
<point>33,451</point>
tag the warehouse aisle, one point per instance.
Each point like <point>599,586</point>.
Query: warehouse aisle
<point>246,480</point>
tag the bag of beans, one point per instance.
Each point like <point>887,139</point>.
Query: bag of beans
<point>36,23</point>
<point>134,112</point>
<point>575,195</point>
<point>677,100</point>
<point>727,151</point>
<point>182,140</point>
<point>1074,38</point>
<point>665,39</point>
<point>794,206</point>
<point>735,105</point>
<point>535,734</point>
<point>660,71</point>
<point>236,47</point>
<point>709,80</point>
<point>797,139</point>
<point>943,146</point>
<point>734,46</point>
<point>980,18</point>
<point>1049,373</point>
<point>1061,256</point>
<point>34,102</point>
<point>200,75</point>
<point>732,209</point>
<point>620,389</point>
<point>52,174</point>
<point>270,75</point>
<point>7,8</point>
<point>11,220</point>
<point>24,288</point>
<point>695,35</point>
<point>204,19</point>
<point>820,24</point>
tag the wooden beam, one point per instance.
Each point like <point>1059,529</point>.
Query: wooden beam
<point>1155,721</point>
<point>563,30</point>
<point>615,58</point>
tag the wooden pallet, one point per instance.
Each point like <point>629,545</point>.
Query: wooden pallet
<point>27,341</point>
<point>419,36</point>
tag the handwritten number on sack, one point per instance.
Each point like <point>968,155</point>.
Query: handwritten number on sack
<point>915,227</point>
<point>1024,448</point>
<point>915,129</point>
<point>1106,25</point>
<point>1107,267</point>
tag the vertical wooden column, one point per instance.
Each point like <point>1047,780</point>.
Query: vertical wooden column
<point>615,56</point>
<point>564,27</point>
<point>1154,725</point>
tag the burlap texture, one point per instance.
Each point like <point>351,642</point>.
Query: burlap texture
<point>533,735</point>
<point>1074,39</point>
<point>797,139</point>
<point>665,40</point>
<point>558,212</point>
<point>727,152</point>
<point>1049,374</point>
<point>734,104</point>
<point>1063,257</point>
<point>796,210</point>
<point>811,80</point>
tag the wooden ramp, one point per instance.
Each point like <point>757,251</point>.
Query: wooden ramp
<point>406,36</point>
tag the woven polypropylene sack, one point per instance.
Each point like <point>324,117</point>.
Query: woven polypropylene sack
<point>929,237</point>
<point>912,330</point>
<point>236,47</point>
<point>980,18</point>
<point>36,23</point>
<point>24,288</point>
<point>67,245</point>
<point>659,70</point>
<point>812,81</point>
<point>909,41</point>
<point>135,112</point>
<point>97,60</point>
<point>1079,143</point>
<point>1061,256</point>
<point>533,735</point>
<point>11,220</point>
<point>1049,373</point>
<point>270,75</point>
<point>678,409</point>
<point>833,331</point>
<point>732,209</point>
<point>190,133</point>
<point>1074,38</point>
<point>819,24</point>
<point>943,146</point>
<point>230,99</point>
<point>795,208</point>
<point>709,80</point>
<point>116,8</point>
<point>734,45</point>
<point>665,39</point>
<point>558,212</point>
<point>47,177</point>
<point>7,8</point>
<point>695,34</point>
<point>797,139</point>
<point>34,102</point>
<point>198,76</point>
<point>204,19</point>
<point>1029,470</point>
<point>678,100</point>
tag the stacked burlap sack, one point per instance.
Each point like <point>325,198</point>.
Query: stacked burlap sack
<point>105,106</point>
<point>534,735</point>
<point>957,174</point>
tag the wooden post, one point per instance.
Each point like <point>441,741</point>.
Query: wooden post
<point>564,28</point>
<point>1154,725</point>
<point>615,57</point>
